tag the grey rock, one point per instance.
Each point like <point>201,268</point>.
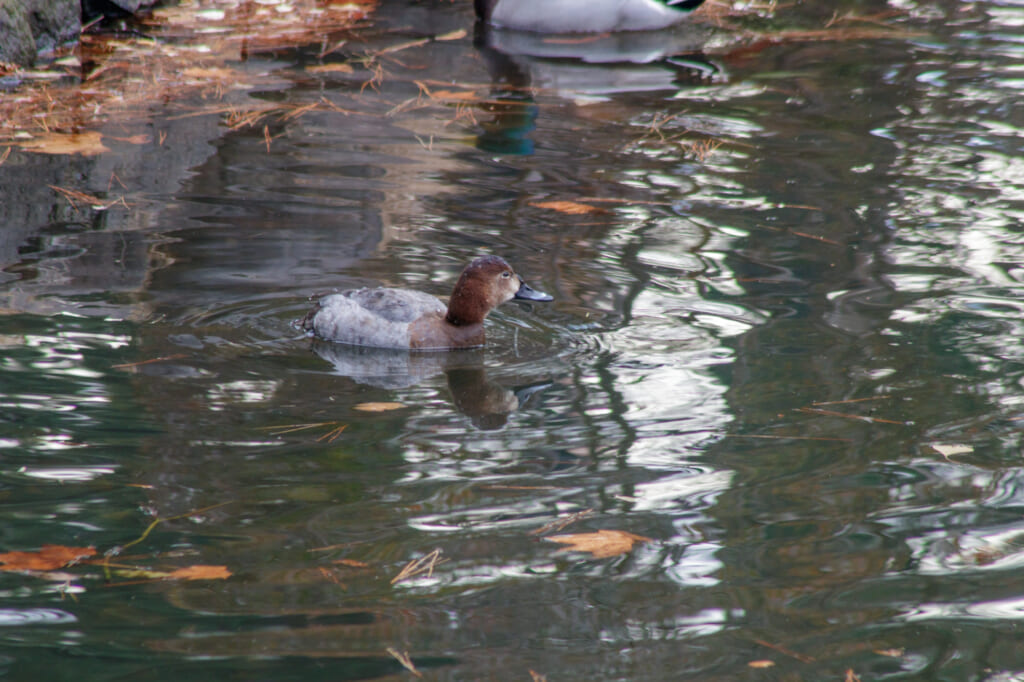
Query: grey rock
<point>133,6</point>
<point>54,22</point>
<point>17,45</point>
<point>28,27</point>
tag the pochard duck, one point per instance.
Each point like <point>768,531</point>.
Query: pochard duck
<point>584,16</point>
<point>402,318</point>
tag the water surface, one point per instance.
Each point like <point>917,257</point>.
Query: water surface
<point>786,349</point>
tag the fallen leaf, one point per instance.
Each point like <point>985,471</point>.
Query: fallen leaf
<point>378,407</point>
<point>949,449</point>
<point>49,558</point>
<point>569,207</point>
<point>851,676</point>
<point>602,544</point>
<point>200,572</point>
<point>764,663</point>
<point>403,46</point>
<point>86,144</point>
<point>352,562</point>
<point>460,96</point>
<point>329,574</point>
<point>211,73</point>
<point>454,35</point>
<point>330,68</point>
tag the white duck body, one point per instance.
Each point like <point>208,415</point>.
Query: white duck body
<point>584,16</point>
<point>374,317</point>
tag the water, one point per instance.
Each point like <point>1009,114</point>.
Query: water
<point>791,358</point>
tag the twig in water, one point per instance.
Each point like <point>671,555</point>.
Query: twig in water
<point>425,564</point>
<point>403,658</point>
<point>559,524</point>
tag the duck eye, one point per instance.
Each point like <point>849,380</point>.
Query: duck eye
<point>506,274</point>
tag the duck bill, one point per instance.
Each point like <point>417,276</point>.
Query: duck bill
<point>527,293</point>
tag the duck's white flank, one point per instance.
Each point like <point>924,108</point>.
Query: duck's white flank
<point>373,317</point>
<point>583,16</point>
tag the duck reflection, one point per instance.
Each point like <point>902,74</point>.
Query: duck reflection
<point>578,66</point>
<point>488,404</point>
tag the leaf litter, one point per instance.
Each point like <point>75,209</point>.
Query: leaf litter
<point>47,561</point>
<point>197,60</point>
<point>601,544</point>
<point>47,558</point>
<point>198,56</point>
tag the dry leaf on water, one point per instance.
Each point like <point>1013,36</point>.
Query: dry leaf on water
<point>569,207</point>
<point>330,68</point>
<point>49,558</point>
<point>378,407</point>
<point>353,563</point>
<point>951,449</point>
<point>763,663</point>
<point>602,544</point>
<point>455,95</point>
<point>87,144</point>
<point>454,35</point>
<point>200,572</point>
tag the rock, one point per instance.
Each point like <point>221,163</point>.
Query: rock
<point>17,45</point>
<point>28,27</point>
<point>113,8</point>
<point>133,6</point>
<point>54,22</point>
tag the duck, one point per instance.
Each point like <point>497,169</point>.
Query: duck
<point>383,317</point>
<point>584,16</point>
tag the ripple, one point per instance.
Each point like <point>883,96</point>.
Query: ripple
<point>68,474</point>
<point>21,617</point>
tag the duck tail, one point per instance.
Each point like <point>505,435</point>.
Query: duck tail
<point>307,321</point>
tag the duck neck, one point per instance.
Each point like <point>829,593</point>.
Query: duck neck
<point>463,318</point>
<point>465,309</point>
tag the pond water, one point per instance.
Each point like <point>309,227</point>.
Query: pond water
<point>786,348</point>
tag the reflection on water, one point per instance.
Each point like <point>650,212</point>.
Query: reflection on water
<point>785,346</point>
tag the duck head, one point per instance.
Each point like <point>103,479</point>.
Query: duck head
<point>486,283</point>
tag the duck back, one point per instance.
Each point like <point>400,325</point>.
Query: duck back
<point>372,317</point>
